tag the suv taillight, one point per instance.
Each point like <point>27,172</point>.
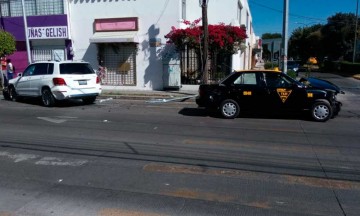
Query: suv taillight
<point>59,81</point>
<point>97,80</point>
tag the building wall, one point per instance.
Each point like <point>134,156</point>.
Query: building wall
<point>155,20</point>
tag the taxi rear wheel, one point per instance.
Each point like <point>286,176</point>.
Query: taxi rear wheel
<point>321,111</point>
<point>229,109</point>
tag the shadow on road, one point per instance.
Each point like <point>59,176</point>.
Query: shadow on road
<point>194,112</point>
<point>59,104</point>
<point>201,112</point>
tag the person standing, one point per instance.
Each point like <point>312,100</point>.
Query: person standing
<point>2,72</point>
<point>9,69</point>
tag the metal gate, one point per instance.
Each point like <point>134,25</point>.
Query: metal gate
<point>120,62</point>
<point>48,54</point>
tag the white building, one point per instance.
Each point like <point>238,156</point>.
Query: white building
<point>127,37</point>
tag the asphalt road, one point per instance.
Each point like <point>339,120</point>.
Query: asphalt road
<point>121,157</point>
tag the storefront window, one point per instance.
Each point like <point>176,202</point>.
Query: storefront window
<point>13,8</point>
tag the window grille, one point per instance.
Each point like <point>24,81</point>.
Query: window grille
<point>190,67</point>
<point>120,62</point>
<point>5,9</point>
<point>218,67</point>
<point>13,8</point>
<point>48,54</point>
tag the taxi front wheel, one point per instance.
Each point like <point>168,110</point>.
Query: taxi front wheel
<point>321,111</point>
<point>229,109</point>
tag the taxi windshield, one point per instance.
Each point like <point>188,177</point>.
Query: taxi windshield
<point>279,80</point>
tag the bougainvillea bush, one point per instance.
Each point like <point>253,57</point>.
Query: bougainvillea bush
<point>222,38</point>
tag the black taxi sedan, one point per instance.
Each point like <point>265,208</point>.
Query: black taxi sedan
<point>270,91</point>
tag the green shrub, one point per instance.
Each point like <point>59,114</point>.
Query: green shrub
<point>269,65</point>
<point>348,67</point>
<point>291,74</point>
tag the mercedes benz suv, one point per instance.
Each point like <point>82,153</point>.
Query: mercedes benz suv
<point>54,81</point>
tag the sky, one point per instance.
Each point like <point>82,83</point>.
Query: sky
<point>267,15</point>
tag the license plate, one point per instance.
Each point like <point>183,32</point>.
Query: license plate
<point>82,82</point>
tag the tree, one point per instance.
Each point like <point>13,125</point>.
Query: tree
<point>338,36</point>
<point>333,40</point>
<point>7,43</point>
<point>305,42</point>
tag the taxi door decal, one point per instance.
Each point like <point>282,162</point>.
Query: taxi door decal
<point>247,93</point>
<point>283,94</point>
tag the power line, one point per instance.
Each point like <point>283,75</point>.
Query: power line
<point>290,14</point>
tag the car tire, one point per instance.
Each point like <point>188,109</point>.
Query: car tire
<point>89,100</point>
<point>11,94</point>
<point>321,111</point>
<point>47,98</point>
<point>6,95</point>
<point>229,109</point>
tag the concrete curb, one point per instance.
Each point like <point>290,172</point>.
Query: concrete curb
<point>146,95</point>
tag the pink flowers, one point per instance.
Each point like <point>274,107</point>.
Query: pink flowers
<point>221,37</point>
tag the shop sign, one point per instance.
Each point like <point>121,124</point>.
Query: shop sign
<point>116,24</point>
<point>48,32</point>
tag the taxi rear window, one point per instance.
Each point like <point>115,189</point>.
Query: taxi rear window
<point>246,79</point>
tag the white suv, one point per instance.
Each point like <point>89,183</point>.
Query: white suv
<point>55,80</point>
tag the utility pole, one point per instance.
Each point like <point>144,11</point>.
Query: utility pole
<point>355,37</point>
<point>26,33</point>
<point>285,35</point>
<point>204,67</point>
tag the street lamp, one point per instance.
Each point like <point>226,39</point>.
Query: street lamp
<point>355,37</point>
<point>204,71</point>
<point>285,35</point>
<point>26,32</point>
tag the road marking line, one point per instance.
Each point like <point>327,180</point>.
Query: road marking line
<point>52,120</point>
<point>193,194</point>
<point>45,161</point>
<point>54,161</point>
<point>18,157</point>
<point>57,119</point>
<point>122,212</point>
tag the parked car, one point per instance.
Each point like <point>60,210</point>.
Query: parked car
<point>54,81</point>
<point>267,91</point>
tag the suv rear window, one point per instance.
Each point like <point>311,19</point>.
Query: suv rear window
<point>75,68</point>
